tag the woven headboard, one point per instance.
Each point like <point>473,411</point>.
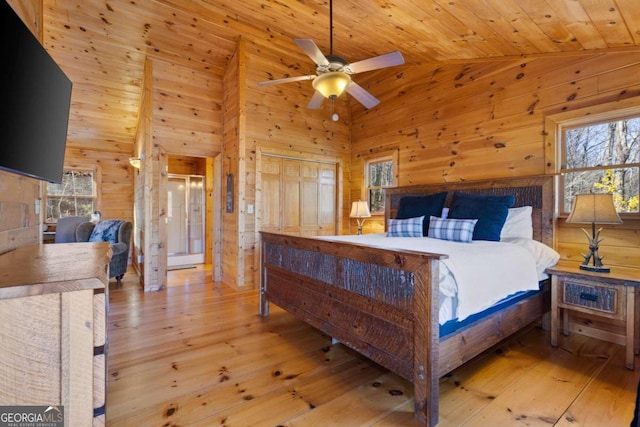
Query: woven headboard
<point>535,191</point>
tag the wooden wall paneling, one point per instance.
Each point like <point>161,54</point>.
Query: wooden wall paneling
<point>20,224</point>
<point>114,176</point>
<point>187,165</point>
<point>210,231</point>
<point>491,125</point>
<point>187,110</point>
<point>244,235</point>
<point>31,14</point>
<point>249,238</point>
<point>217,209</point>
<point>620,244</point>
<point>233,121</point>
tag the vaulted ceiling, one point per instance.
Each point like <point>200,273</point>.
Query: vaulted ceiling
<point>102,44</point>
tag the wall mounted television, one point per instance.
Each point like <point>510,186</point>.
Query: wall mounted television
<point>35,96</point>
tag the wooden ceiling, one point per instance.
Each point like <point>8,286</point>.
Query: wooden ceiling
<point>102,44</point>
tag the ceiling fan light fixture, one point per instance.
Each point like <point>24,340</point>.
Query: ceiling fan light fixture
<point>331,85</point>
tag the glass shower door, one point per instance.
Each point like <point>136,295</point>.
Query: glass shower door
<point>185,220</point>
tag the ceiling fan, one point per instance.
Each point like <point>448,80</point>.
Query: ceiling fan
<point>333,72</point>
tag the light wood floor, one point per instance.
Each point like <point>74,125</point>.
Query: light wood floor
<point>197,354</point>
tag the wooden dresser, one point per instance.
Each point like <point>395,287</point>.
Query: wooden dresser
<point>53,329</point>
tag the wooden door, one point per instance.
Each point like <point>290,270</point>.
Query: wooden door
<point>298,196</point>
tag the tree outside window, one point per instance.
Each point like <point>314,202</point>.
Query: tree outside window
<point>380,174</point>
<point>74,196</point>
<point>603,157</point>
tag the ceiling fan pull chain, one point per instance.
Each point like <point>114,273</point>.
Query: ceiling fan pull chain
<point>334,115</point>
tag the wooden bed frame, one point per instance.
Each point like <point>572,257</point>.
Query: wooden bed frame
<point>384,303</point>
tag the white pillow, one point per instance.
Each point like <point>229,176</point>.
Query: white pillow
<point>518,224</point>
<point>544,255</point>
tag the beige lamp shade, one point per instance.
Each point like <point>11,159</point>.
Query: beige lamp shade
<point>331,85</point>
<point>360,209</point>
<point>594,208</point>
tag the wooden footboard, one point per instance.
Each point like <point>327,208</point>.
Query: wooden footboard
<point>384,303</point>
<point>375,301</point>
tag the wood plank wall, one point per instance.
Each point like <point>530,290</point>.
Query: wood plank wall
<point>448,122</point>
<point>183,117</point>
<point>19,222</point>
<point>277,121</point>
<point>233,117</point>
<point>486,120</point>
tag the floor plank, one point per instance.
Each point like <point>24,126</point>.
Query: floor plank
<point>197,354</point>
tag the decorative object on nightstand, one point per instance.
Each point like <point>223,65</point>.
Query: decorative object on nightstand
<point>591,209</point>
<point>360,211</point>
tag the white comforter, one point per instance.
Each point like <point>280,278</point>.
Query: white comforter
<point>484,272</point>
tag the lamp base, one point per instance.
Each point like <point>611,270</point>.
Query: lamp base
<point>595,269</point>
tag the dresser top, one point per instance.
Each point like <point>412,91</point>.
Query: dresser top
<point>57,267</point>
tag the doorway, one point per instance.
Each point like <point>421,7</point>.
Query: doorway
<point>185,220</point>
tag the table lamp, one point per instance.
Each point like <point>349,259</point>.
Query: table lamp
<point>360,211</point>
<point>591,209</point>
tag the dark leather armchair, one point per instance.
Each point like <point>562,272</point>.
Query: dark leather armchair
<point>120,243</point>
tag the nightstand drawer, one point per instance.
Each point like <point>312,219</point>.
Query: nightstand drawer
<point>591,298</point>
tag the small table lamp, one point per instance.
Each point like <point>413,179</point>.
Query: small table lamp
<point>592,208</point>
<point>360,211</point>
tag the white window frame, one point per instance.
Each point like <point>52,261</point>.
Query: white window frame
<point>556,125</point>
<point>96,181</point>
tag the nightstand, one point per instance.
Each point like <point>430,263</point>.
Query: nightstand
<point>605,304</point>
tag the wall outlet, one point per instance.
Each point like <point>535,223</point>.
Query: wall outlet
<point>249,209</point>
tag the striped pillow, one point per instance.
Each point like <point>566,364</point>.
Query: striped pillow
<point>457,230</point>
<point>411,227</point>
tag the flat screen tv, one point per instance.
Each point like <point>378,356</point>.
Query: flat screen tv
<point>35,95</point>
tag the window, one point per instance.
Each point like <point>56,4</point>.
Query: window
<point>75,196</point>
<point>602,157</point>
<point>380,173</point>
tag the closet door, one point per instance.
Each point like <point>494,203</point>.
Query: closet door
<point>291,197</point>
<point>318,199</point>
<point>271,188</point>
<point>298,197</point>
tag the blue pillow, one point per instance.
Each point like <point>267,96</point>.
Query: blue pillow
<point>490,211</point>
<point>411,227</point>
<point>457,230</point>
<point>106,231</point>
<point>427,206</point>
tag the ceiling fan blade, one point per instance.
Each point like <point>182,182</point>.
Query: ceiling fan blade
<point>286,80</point>
<point>310,48</point>
<point>387,60</point>
<point>364,97</point>
<point>316,101</point>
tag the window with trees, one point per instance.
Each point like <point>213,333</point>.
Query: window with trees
<point>74,196</point>
<point>602,157</point>
<point>380,173</point>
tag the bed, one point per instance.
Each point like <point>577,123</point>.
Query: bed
<point>384,303</point>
